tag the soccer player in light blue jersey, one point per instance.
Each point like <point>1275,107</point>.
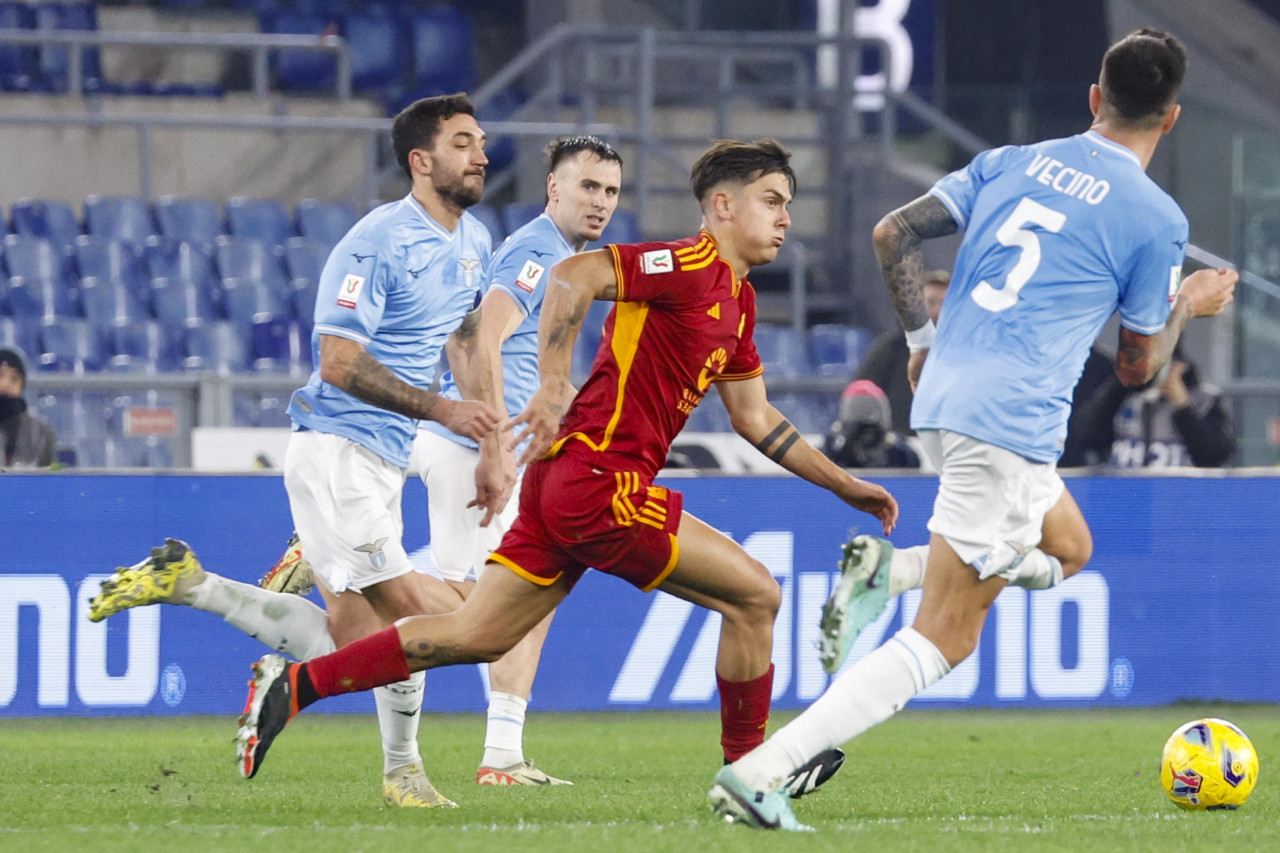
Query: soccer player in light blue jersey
<point>1058,237</point>
<point>470,484</point>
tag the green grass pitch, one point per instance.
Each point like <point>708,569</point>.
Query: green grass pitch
<point>926,780</point>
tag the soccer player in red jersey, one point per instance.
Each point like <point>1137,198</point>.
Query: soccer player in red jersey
<point>684,321</point>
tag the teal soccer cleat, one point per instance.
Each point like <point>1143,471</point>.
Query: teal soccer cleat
<point>859,598</point>
<point>736,803</point>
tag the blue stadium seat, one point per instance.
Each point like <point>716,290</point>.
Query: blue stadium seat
<point>145,342</point>
<point>109,303</point>
<point>167,257</point>
<point>180,303</point>
<point>259,218</point>
<point>379,48</point>
<point>112,260</point>
<point>303,299</point>
<point>515,215</point>
<point>125,218</point>
<point>812,414</point>
<point>836,349</point>
<point>248,302</point>
<point>55,62</point>
<point>305,257</point>
<point>280,346</point>
<point>442,51</point>
<point>218,347</point>
<point>196,220</point>
<point>247,258</point>
<point>782,350</point>
<point>20,333</point>
<point>19,64</point>
<point>324,222</point>
<point>36,259</point>
<point>490,219</point>
<point>55,221</point>
<point>75,414</point>
<point>69,345</point>
<point>298,70</point>
<point>29,300</point>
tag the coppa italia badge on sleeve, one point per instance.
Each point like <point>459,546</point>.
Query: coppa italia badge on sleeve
<point>530,275</point>
<point>349,293</point>
<point>659,260</point>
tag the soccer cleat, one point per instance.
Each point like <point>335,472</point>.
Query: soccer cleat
<point>859,598</point>
<point>291,573</point>
<point>814,773</point>
<point>516,774</point>
<point>408,787</point>
<point>272,702</point>
<point>736,803</point>
<point>164,577</point>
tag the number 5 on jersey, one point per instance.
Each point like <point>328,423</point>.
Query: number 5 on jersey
<point>1014,233</point>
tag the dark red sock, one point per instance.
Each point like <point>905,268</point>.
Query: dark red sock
<point>371,662</point>
<point>744,711</point>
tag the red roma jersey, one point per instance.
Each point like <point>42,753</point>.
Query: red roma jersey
<point>682,322</point>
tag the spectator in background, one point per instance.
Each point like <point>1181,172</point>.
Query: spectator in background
<point>862,437</point>
<point>1171,422</point>
<point>885,363</point>
<point>29,441</point>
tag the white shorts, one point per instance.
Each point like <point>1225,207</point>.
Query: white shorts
<point>459,545</point>
<point>345,501</point>
<point>991,502</point>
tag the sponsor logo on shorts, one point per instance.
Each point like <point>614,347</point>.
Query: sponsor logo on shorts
<point>529,276</point>
<point>349,293</point>
<point>657,261</point>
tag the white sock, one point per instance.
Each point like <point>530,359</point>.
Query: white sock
<point>864,695</point>
<point>399,712</point>
<point>1038,570</point>
<point>504,736</point>
<point>906,569</point>
<point>286,623</point>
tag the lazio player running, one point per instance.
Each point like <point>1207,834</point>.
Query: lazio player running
<point>1058,237</point>
<point>684,321</point>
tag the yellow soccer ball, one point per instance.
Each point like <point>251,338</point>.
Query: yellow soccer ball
<point>1208,764</point>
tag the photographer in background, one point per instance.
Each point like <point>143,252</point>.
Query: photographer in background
<point>863,435</point>
<point>29,441</point>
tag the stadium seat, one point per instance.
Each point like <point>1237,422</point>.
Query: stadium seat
<point>812,414</point>
<point>302,70</point>
<point>303,299</point>
<point>75,414</point>
<point>145,342</point>
<point>490,219</point>
<point>24,335</point>
<point>217,347</point>
<point>279,346</point>
<point>259,218</point>
<point>55,221</point>
<point>109,303</point>
<point>69,345</point>
<point>836,349</point>
<point>247,258</point>
<point>248,301</point>
<point>782,350</point>
<point>167,257</point>
<point>55,62</point>
<point>19,64</point>
<point>112,260</point>
<point>196,220</point>
<point>180,303</point>
<point>442,52</point>
<point>324,222</point>
<point>305,257</point>
<point>36,259</point>
<point>379,48</point>
<point>515,215</point>
<point>125,218</point>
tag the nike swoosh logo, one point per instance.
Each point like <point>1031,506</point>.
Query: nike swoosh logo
<point>360,258</point>
<point>871,581</point>
<point>412,713</point>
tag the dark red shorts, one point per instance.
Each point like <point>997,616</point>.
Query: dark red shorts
<point>574,516</point>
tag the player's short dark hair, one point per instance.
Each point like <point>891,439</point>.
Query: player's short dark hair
<point>740,163</point>
<point>416,125</point>
<point>1142,74</point>
<point>566,146</point>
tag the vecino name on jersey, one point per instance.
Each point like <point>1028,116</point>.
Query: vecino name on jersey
<point>1054,174</point>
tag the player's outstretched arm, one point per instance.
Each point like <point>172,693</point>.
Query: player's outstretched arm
<point>572,285</point>
<point>1204,293</point>
<point>346,364</point>
<point>760,423</point>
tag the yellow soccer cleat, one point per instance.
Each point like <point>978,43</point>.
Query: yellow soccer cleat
<point>166,577</point>
<point>516,774</point>
<point>408,787</point>
<point>291,573</point>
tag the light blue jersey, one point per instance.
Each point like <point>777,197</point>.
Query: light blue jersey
<point>1058,235</point>
<point>519,269</point>
<point>398,283</point>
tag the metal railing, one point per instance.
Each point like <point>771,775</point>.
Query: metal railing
<point>260,46</point>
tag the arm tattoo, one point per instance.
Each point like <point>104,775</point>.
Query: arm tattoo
<point>373,382</point>
<point>780,439</point>
<point>1139,357</point>
<point>897,245</point>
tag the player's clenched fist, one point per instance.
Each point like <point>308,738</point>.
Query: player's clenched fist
<point>470,418</point>
<point>1209,291</point>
